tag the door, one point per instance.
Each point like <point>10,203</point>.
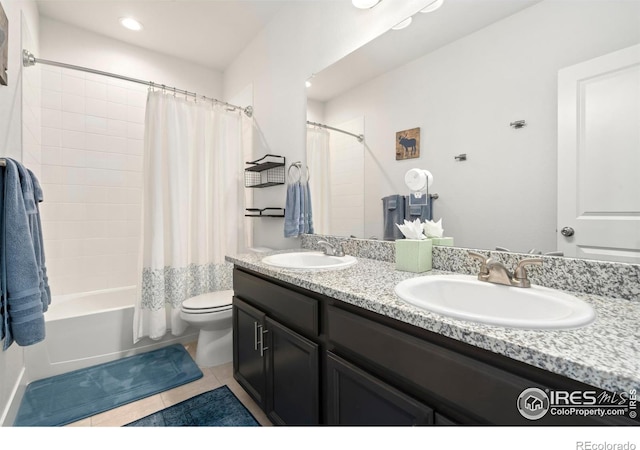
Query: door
<point>599,157</point>
<point>293,388</point>
<point>355,397</point>
<point>248,343</point>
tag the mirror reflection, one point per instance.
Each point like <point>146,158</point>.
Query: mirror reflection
<point>483,82</point>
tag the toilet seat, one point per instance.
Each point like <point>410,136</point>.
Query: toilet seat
<point>208,303</point>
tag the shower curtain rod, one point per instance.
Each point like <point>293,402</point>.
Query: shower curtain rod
<point>359,137</point>
<point>29,60</point>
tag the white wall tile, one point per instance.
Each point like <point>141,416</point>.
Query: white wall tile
<point>96,107</point>
<point>72,84</point>
<point>117,94</point>
<point>97,142</point>
<point>95,90</point>
<point>92,144</point>
<point>117,111</point>
<point>73,121</point>
<point>73,103</point>
<point>51,81</point>
<point>73,139</point>
<point>96,125</point>
<point>51,118</point>
<point>51,155</point>
<point>135,131</point>
<point>117,128</point>
<point>73,157</point>
<point>51,99</point>
<point>51,137</point>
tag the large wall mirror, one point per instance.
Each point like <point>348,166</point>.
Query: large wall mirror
<point>481,79</point>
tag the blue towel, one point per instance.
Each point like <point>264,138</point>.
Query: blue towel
<point>307,215</point>
<point>298,217</point>
<point>393,213</point>
<point>25,290</point>
<point>292,211</point>
<point>413,212</point>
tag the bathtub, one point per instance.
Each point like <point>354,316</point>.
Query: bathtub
<point>87,329</point>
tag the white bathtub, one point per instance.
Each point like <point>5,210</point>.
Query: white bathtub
<point>87,329</point>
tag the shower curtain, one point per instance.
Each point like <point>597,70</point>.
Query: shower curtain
<point>318,162</point>
<point>193,207</point>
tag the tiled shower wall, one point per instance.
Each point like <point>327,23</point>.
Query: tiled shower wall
<point>92,146</point>
<point>347,180</point>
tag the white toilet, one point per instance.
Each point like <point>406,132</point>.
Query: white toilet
<point>211,313</point>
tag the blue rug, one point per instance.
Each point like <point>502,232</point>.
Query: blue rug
<point>72,396</point>
<point>217,408</point>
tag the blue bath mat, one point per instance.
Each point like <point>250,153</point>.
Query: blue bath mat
<point>72,396</point>
<point>217,408</point>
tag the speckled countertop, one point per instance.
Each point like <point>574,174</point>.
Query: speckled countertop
<point>604,354</point>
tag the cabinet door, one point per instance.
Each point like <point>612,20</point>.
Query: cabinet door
<point>356,398</point>
<point>292,377</point>
<point>248,363</point>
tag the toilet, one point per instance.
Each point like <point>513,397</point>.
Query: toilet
<point>211,313</point>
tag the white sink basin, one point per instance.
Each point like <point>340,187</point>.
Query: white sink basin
<point>309,261</point>
<point>464,297</point>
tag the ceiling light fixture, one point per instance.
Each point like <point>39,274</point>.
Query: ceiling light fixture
<point>130,23</point>
<point>404,24</point>
<point>432,6</point>
<point>365,4</point>
<point>307,83</point>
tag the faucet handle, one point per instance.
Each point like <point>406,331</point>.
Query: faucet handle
<point>483,262</point>
<point>520,274</point>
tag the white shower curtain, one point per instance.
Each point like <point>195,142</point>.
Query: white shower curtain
<point>193,208</point>
<point>318,162</point>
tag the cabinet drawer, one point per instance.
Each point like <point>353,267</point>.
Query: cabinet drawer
<point>295,310</point>
<point>488,393</point>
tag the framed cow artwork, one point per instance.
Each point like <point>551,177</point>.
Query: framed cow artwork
<point>408,144</point>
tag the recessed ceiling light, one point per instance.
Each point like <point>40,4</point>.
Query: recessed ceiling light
<point>404,24</point>
<point>432,6</point>
<point>365,4</point>
<point>130,23</point>
<point>307,83</point>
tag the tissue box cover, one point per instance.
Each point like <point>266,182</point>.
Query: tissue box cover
<point>445,241</point>
<point>413,255</point>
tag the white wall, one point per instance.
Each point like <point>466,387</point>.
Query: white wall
<point>72,45</point>
<point>12,361</point>
<point>463,97</point>
<point>303,39</point>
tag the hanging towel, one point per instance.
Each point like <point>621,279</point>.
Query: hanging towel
<point>292,211</point>
<point>25,289</point>
<point>393,213</point>
<point>413,212</point>
<point>307,214</point>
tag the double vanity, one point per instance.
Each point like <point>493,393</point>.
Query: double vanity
<point>349,340</point>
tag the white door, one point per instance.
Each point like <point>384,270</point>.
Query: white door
<point>599,158</point>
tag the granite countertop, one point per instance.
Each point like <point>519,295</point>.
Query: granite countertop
<point>603,354</point>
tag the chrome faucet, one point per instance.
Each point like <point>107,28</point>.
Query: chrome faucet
<point>330,249</point>
<point>494,271</point>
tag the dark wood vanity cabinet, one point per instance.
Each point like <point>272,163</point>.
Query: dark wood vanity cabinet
<point>309,359</point>
<point>276,365</point>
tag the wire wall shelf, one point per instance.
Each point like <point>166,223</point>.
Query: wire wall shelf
<point>264,172</point>
<point>265,212</point>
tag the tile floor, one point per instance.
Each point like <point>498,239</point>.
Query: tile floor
<point>213,377</point>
